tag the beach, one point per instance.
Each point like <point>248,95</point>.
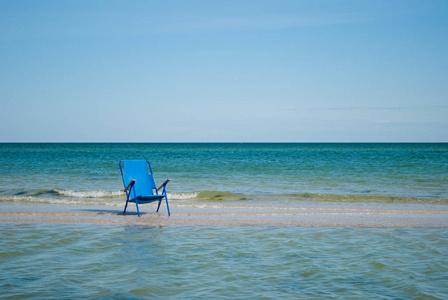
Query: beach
<point>189,214</point>
<point>299,150</point>
<point>252,221</point>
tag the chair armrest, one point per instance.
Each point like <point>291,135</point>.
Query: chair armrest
<point>164,184</point>
<point>130,185</point>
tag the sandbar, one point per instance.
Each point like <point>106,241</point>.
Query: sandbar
<point>191,214</point>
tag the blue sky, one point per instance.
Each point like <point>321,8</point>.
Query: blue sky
<point>224,71</point>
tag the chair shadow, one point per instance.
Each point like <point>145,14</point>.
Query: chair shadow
<point>118,213</point>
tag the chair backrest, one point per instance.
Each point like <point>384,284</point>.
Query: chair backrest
<point>141,171</point>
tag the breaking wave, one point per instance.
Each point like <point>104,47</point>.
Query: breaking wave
<point>102,197</point>
<point>47,200</point>
<point>117,194</point>
<point>88,194</point>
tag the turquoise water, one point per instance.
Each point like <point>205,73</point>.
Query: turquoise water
<point>89,173</point>
<point>72,261</point>
<point>233,262</point>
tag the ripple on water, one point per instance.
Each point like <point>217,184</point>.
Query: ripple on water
<point>74,261</point>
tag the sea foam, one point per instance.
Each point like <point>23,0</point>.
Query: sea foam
<point>88,194</point>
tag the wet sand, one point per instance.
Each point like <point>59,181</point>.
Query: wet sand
<point>311,215</point>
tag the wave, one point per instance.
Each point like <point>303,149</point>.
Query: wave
<point>46,200</point>
<point>102,197</point>
<point>117,194</point>
<point>69,197</point>
<point>88,194</point>
<point>182,196</point>
<point>217,196</point>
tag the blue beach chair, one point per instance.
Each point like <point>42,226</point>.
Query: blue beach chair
<point>139,183</point>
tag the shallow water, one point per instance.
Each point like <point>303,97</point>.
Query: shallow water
<point>222,262</point>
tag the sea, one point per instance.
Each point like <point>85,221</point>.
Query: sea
<point>109,261</point>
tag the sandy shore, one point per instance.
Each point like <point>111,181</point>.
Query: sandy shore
<point>428,216</point>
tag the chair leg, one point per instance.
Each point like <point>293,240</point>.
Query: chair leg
<point>167,207</point>
<point>158,206</point>
<point>124,211</point>
<point>136,204</point>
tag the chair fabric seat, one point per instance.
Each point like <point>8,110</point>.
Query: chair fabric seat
<point>148,198</point>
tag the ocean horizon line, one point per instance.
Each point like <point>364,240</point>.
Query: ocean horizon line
<point>86,142</point>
